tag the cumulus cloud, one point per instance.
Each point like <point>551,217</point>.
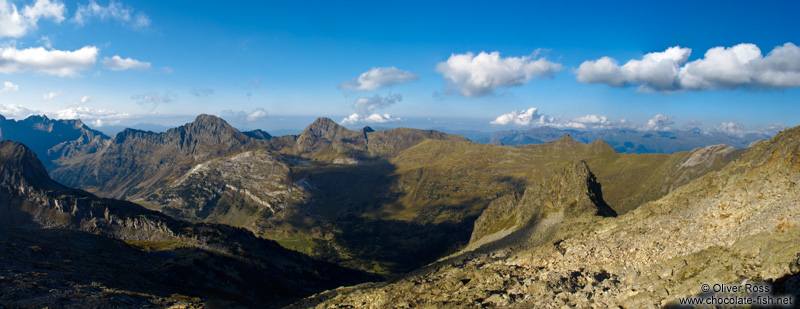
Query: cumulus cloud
<point>118,63</point>
<point>257,114</point>
<point>740,66</point>
<point>373,118</point>
<point>532,118</point>
<point>51,95</point>
<point>743,66</point>
<point>54,62</point>
<point>154,99</point>
<point>365,105</point>
<point>113,11</point>
<point>731,128</point>
<point>658,123</point>
<point>656,71</point>
<point>378,78</point>
<point>14,23</point>
<point>478,75</point>
<point>593,120</point>
<point>9,87</point>
<point>519,118</point>
<point>95,117</point>
<point>202,92</point>
<point>243,117</point>
<point>17,111</point>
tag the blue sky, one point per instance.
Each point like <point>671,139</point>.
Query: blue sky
<point>457,65</point>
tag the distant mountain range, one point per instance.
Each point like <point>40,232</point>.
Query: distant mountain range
<point>622,140</point>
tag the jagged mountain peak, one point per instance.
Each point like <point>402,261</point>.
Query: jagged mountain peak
<point>601,145</point>
<point>324,127</point>
<point>565,139</point>
<point>206,119</point>
<point>19,164</point>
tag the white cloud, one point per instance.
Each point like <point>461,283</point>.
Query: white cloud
<point>378,78</point>
<point>658,123</point>
<point>257,114</point>
<point>256,82</point>
<point>532,118</point>
<point>243,117</point>
<point>373,118</point>
<point>365,105</point>
<point>46,41</point>
<point>14,23</point>
<point>113,11</point>
<point>519,118</point>
<point>117,63</point>
<point>154,99</point>
<point>202,92</point>
<point>53,62</point>
<point>656,71</point>
<point>478,75</point>
<point>740,66</point>
<point>95,117</point>
<point>51,95</point>
<point>772,129</point>
<point>731,128</point>
<point>9,87</point>
<point>593,120</point>
<point>743,66</point>
<point>82,100</point>
<point>17,111</point>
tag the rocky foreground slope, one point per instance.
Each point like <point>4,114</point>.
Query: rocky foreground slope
<point>737,225</point>
<point>67,248</point>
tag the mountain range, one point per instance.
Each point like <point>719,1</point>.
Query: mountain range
<point>435,213</point>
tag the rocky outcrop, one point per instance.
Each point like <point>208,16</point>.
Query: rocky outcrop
<point>567,193</point>
<point>252,189</point>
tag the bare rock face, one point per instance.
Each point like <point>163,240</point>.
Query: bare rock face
<point>570,192</point>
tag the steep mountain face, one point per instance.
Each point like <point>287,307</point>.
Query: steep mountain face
<point>135,162</point>
<point>570,192</point>
<point>253,189</point>
<point>628,140</point>
<point>190,259</point>
<point>735,225</point>
<point>50,138</point>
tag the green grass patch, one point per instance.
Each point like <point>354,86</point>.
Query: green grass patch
<point>298,244</point>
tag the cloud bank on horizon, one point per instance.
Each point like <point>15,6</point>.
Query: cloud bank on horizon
<point>531,118</point>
